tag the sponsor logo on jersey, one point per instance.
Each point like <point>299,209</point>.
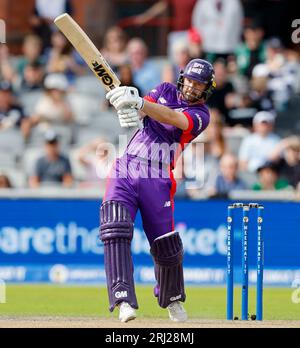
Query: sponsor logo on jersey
<point>162,100</point>
<point>167,204</point>
<point>200,121</point>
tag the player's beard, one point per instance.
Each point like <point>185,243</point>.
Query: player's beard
<point>191,97</point>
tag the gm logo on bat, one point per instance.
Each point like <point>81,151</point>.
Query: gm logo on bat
<point>103,74</point>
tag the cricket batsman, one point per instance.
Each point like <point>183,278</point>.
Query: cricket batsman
<point>142,179</point>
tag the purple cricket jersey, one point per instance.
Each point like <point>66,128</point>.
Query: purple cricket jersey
<point>147,141</point>
<point>153,196</point>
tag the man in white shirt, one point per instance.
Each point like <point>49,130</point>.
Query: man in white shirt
<point>220,24</point>
<point>256,148</point>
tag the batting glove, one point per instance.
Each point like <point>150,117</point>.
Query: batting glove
<point>128,118</point>
<point>125,97</point>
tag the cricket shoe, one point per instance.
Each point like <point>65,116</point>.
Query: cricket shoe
<point>126,312</point>
<point>177,312</point>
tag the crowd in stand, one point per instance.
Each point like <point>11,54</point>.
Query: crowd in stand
<point>54,117</point>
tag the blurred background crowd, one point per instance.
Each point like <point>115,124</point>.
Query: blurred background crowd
<point>54,118</point>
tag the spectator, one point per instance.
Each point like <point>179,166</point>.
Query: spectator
<point>11,113</point>
<point>33,79</point>
<point>228,179</point>
<point>195,44</point>
<point>97,160</point>
<point>252,51</point>
<point>243,106</point>
<point>257,147</point>
<point>4,181</point>
<point>268,178</point>
<point>62,58</point>
<point>223,89</point>
<point>180,13</point>
<point>239,82</point>
<point>214,133</point>
<point>53,107</point>
<point>158,8</point>
<point>281,76</point>
<point>43,15</point>
<point>126,76</point>
<point>260,96</point>
<point>53,168</point>
<point>201,167</point>
<point>146,74</point>
<point>292,56</point>
<point>32,50</point>
<point>7,72</point>
<point>181,58</point>
<point>114,48</point>
<point>214,21</point>
<point>287,157</point>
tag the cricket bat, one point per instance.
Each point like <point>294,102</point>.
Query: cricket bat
<point>88,51</point>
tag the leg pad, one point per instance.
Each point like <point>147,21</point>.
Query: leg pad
<point>167,253</point>
<point>116,232</point>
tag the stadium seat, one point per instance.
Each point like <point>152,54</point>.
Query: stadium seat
<point>16,176</point>
<point>86,134</point>
<point>107,124</point>
<point>11,141</point>
<point>234,137</point>
<point>248,178</point>
<point>85,107</point>
<point>66,134</point>
<point>31,155</point>
<point>29,101</point>
<point>89,85</point>
<point>78,170</point>
<point>7,159</point>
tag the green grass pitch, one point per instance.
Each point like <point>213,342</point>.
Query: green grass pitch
<point>91,301</point>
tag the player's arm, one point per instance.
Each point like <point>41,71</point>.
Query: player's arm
<point>166,115</point>
<point>127,100</point>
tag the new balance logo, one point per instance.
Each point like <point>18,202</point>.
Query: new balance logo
<point>167,204</point>
<point>175,298</point>
<point>121,294</point>
<point>162,100</point>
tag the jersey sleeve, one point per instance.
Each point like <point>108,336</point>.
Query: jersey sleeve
<point>155,93</point>
<point>198,121</point>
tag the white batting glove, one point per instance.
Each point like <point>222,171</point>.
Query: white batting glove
<point>125,97</point>
<point>128,117</point>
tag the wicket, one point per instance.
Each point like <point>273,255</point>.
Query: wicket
<point>230,258</point>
